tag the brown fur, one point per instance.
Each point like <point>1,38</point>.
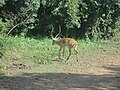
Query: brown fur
<point>66,42</point>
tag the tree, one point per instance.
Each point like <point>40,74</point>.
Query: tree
<point>89,19</point>
<point>22,13</point>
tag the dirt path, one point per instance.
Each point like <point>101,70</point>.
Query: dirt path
<point>102,74</point>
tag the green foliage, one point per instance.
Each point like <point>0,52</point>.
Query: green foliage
<point>3,66</point>
<point>92,19</point>
<point>98,17</point>
<point>28,50</point>
<point>117,25</point>
<point>3,29</point>
<point>2,2</point>
<point>102,25</point>
<point>89,19</point>
<point>72,11</point>
<point>4,26</point>
<point>21,12</point>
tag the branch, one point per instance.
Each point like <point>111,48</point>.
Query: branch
<point>17,25</point>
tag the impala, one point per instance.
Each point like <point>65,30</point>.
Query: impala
<point>65,42</point>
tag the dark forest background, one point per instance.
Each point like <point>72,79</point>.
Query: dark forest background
<point>88,19</point>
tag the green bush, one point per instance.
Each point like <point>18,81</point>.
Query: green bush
<point>28,50</point>
<point>89,19</point>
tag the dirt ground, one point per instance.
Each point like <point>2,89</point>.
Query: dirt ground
<point>100,74</point>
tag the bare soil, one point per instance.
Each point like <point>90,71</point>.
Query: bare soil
<point>103,73</point>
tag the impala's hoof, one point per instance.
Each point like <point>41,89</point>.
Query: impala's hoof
<point>77,60</point>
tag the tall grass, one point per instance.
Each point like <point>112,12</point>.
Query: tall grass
<point>40,51</point>
<point>29,50</point>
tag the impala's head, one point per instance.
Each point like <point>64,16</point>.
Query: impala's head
<point>56,38</point>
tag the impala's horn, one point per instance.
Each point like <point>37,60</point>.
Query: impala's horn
<point>52,31</point>
<point>59,32</point>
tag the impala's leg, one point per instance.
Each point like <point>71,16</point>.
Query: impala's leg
<point>59,52</point>
<point>75,48</point>
<point>69,53</point>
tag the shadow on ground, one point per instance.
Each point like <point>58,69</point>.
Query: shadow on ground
<point>62,81</point>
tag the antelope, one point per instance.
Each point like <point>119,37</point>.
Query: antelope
<point>65,42</point>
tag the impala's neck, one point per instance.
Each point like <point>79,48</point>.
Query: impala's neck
<point>58,42</point>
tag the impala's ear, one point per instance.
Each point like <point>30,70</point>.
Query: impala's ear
<point>59,38</point>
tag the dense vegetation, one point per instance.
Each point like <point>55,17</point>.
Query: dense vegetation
<point>78,18</point>
<point>88,19</point>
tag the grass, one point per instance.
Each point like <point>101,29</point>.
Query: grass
<point>28,50</point>
<point>37,51</point>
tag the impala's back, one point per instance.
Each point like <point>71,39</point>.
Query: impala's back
<point>69,42</point>
<point>65,42</point>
